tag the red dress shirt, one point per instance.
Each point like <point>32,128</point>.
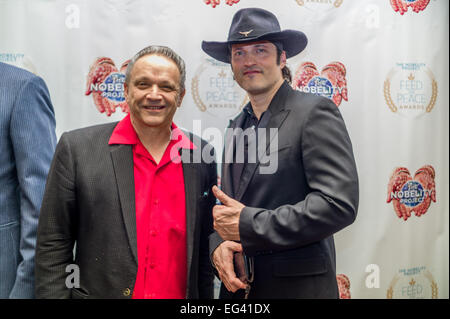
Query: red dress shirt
<point>160,215</point>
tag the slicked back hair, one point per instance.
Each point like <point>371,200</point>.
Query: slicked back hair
<point>162,51</point>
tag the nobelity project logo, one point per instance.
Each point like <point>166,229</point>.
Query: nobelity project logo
<point>343,286</point>
<point>214,90</point>
<point>214,3</point>
<point>412,195</point>
<point>330,83</point>
<point>413,283</point>
<point>410,89</point>
<point>401,6</point>
<point>105,83</point>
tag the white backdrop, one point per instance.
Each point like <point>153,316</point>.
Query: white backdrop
<point>397,109</point>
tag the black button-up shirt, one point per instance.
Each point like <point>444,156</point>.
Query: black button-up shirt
<point>249,137</point>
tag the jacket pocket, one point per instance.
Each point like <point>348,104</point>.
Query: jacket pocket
<point>300,267</point>
<point>280,148</point>
<point>78,293</point>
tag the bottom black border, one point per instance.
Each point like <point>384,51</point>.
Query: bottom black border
<point>201,309</point>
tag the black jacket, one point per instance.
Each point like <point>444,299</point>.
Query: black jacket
<point>306,191</point>
<point>90,201</point>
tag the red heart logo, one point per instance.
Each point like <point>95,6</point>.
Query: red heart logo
<point>412,194</point>
<point>330,82</point>
<point>102,69</point>
<point>401,6</point>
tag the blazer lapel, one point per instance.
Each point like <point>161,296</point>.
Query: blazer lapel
<point>192,194</point>
<point>122,158</point>
<point>275,123</point>
<point>229,150</point>
<point>279,114</point>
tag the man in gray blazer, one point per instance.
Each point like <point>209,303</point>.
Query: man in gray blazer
<point>27,143</point>
<point>282,209</point>
<point>133,196</point>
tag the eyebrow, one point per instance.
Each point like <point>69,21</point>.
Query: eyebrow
<point>162,82</point>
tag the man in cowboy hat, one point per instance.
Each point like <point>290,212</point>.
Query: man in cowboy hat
<point>282,221</point>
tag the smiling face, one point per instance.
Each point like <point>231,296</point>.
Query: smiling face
<point>255,66</point>
<point>153,93</point>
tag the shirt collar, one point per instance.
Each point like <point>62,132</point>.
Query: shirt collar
<point>279,99</point>
<point>124,133</point>
<point>277,102</point>
<point>249,111</point>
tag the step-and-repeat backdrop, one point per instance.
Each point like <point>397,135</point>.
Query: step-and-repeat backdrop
<point>384,63</point>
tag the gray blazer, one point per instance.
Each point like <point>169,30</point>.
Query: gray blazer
<point>90,200</point>
<point>291,215</point>
<point>27,143</point>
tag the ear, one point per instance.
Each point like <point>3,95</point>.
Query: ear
<point>283,59</point>
<point>125,90</point>
<point>180,97</point>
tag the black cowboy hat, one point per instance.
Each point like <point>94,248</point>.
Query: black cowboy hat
<point>255,24</point>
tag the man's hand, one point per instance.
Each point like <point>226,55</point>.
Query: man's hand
<point>223,260</point>
<point>226,216</point>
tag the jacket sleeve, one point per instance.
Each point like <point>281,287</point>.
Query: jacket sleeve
<point>32,130</point>
<point>55,235</point>
<point>332,202</point>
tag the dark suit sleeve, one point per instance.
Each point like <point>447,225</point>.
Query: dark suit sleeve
<point>332,202</point>
<point>55,235</point>
<point>214,241</point>
<point>206,276</point>
<point>32,131</point>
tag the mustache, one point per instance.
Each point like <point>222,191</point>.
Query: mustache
<point>252,69</point>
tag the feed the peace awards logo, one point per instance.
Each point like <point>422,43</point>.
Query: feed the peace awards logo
<point>215,91</point>
<point>410,89</point>
<point>319,4</point>
<point>413,283</point>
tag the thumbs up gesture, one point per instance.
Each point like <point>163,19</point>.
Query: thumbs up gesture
<point>226,216</point>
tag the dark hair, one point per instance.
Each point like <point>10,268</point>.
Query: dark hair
<point>286,73</point>
<point>162,51</point>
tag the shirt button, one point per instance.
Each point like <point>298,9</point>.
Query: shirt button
<point>126,292</point>
<point>153,233</point>
<point>152,265</point>
<point>156,202</point>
